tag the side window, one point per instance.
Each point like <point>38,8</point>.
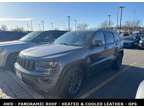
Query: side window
<point>109,37</point>
<point>99,36</point>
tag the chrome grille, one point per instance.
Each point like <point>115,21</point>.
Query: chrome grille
<point>26,63</point>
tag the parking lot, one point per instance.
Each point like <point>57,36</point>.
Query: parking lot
<point>105,84</point>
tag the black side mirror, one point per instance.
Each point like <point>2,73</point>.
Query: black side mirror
<point>97,43</point>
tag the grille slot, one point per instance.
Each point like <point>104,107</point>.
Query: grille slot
<point>26,63</point>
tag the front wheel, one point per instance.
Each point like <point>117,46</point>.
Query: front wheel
<point>71,83</point>
<point>10,62</point>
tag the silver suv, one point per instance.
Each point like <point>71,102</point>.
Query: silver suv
<point>10,49</point>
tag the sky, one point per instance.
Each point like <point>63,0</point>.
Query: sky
<point>55,15</point>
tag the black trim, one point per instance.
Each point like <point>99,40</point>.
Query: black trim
<point>71,102</point>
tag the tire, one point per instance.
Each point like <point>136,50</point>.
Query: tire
<point>117,62</point>
<point>70,83</point>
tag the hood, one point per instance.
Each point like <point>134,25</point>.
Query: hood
<point>14,45</point>
<point>48,50</point>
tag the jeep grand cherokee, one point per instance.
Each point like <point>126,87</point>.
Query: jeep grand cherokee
<point>61,68</point>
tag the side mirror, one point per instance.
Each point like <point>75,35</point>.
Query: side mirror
<point>97,43</point>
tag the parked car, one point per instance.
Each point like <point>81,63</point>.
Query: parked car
<point>125,34</point>
<point>137,38</point>
<point>141,41</point>
<point>60,68</point>
<point>129,42</point>
<point>133,41</point>
<point>140,91</point>
<point>10,49</point>
<point>11,35</point>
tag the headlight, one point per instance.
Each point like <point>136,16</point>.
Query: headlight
<point>46,67</point>
<point>140,41</point>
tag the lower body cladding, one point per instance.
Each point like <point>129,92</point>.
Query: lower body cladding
<point>38,81</point>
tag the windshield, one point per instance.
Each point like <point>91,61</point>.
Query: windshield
<point>74,38</point>
<point>30,36</point>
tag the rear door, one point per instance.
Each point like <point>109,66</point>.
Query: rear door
<point>110,46</point>
<point>97,53</point>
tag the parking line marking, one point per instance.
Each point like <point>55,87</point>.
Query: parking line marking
<point>105,82</point>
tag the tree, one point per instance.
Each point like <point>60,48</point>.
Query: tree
<point>132,25</point>
<point>136,23</point>
<point>3,28</point>
<point>105,24</point>
<point>18,29</point>
<point>82,26</point>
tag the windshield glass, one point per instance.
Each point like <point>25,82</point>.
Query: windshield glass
<point>30,36</point>
<point>80,38</point>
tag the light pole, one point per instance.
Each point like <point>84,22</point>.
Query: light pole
<point>121,14</point>
<point>68,23</point>
<point>52,26</point>
<point>27,27</point>
<point>39,27</point>
<point>43,24</point>
<point>75,24</point>
<point>109,16</point>
<point>117,18</point>
<point>31,26</point>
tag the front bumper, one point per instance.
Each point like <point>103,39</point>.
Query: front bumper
<point>36,80</point>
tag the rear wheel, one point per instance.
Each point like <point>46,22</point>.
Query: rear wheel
<point>117,62</point>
